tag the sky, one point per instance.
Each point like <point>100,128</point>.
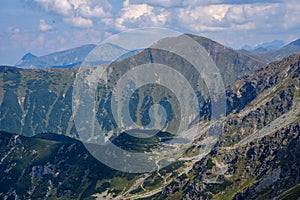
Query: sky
<point>45,26</point>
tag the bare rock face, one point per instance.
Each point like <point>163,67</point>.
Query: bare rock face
<point>259,147</point>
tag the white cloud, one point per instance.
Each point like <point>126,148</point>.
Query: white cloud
<point>211,15</point>
<point>77,3</point>
<point>202,18</point>
<point>229,16</point>
<point>62,7</point>
<point>232,19</point>
<point>44,26</point>
<point>97,11</point>
<point>79,13</point>
<point>185,15</point>
<point>135,11</point>
<point>291,17</point>
<point>139,15</point>
<point>160,3</point>
<point>193,3</point>
<point>80,22</point>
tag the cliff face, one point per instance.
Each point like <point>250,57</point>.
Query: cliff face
<point>36,101</point>
<point>257,155</point>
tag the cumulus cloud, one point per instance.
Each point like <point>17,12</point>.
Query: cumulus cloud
<point>44,26</point>
<point>229,16</point>
<point>79,22</point>
<point>139,15</point>
<point>160,3</point>
<point>97,11</point>
<point>193,3</point>
<point>201,17</point>
<point>79,13</point>
<point>291,17</point>
<point>62,7</point>
<point>186,15</point>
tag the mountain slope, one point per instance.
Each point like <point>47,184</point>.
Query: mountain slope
<point>233,65</point>
<point>287,50</point>
<point>273,45</point>
<point>257,156</point>
<point>269,55</point>
<point>33,168</point>
<point>34,101</point>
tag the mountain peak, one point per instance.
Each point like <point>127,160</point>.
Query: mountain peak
<point>62,59</point>
<point>266,46</point>
<point>28,56</point>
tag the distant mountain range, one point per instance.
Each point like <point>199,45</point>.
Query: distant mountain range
<point>71,57</point>
<point>271,54</point>
<point>62,59</point>
<point>265,52</point>
<point>274,45</point>
<point>289,49</point>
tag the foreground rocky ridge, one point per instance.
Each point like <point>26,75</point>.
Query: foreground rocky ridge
<point>257,156</point>
<point>53,167</point>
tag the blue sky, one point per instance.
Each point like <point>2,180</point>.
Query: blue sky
<point>45,26</point>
